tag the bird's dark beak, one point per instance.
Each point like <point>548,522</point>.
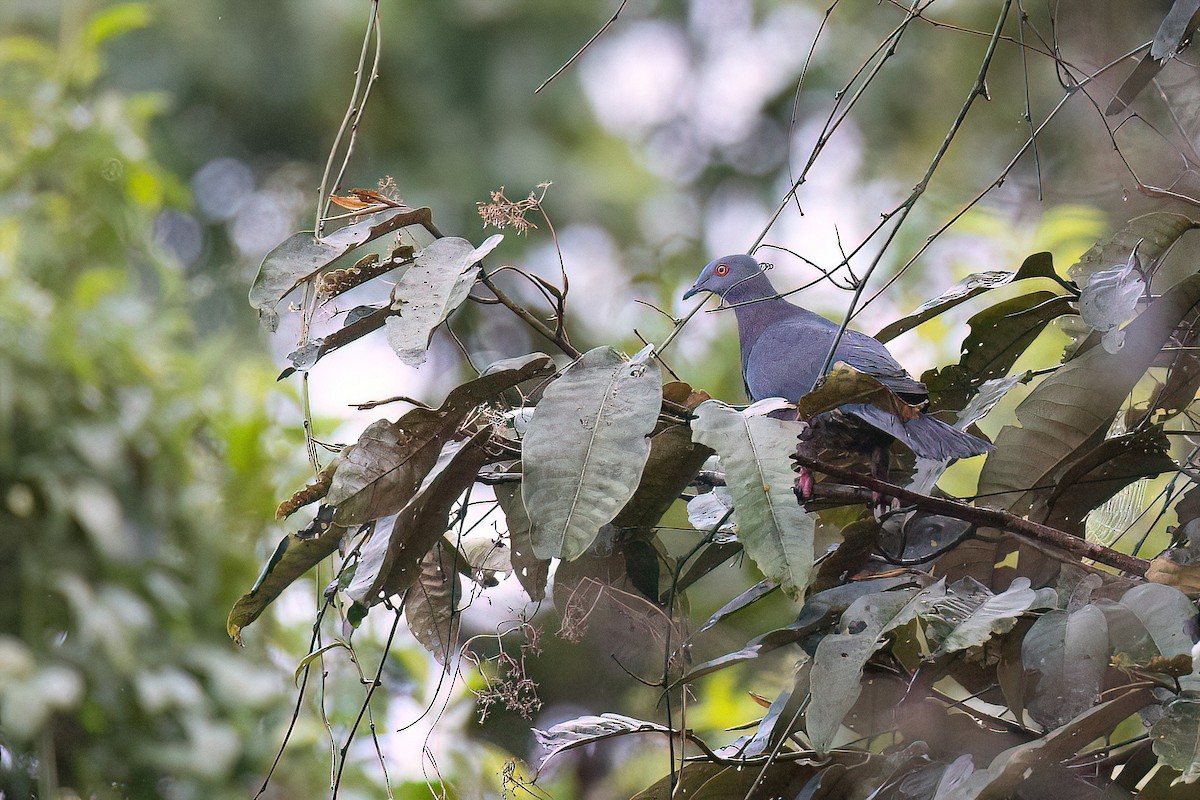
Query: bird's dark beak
<point>692,291</point>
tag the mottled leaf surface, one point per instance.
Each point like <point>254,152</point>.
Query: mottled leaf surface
<point>755,451</point>
<point>431,603</point>
<point>589,729</point>
<point>303,255</point>
<point>970,614</point>
<point>439,281</point>
<point>840,657</point>
<point>1110,299</point>
<point>1070,652</point>
<point>586,448</point>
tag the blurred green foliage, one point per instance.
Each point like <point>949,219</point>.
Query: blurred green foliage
<point>136,457</point>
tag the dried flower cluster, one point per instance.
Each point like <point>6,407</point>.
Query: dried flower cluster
<point>504,213</point>
<point>511,685</point>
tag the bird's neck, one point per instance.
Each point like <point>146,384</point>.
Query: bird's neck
<point>756,305</point>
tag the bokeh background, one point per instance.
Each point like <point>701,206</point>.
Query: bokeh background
<point>151,153</point>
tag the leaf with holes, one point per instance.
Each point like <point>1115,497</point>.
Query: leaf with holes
<point>431,603</point>
<point>586,448</point>
<point>303,255</point>
<point>439,281</point>
<point>840,657</point>
<point>1038,265</point>
<point>1076,404</point>
<point>756,453</point>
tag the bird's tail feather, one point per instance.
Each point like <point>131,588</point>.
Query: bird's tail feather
<point>926,436</point>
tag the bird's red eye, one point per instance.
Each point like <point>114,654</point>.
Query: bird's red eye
<point>722,270</point>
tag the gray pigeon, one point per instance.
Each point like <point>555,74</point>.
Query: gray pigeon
<point>783,349</point>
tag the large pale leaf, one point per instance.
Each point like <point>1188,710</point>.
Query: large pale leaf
<point>1077,403</point>
<point>431,603</point>
<point>1010,768</point>
<point>1038,265</point>
<point>438,282</point>
<point>295,555</point>
<point>390,562</point>
<point>585,449</point>
<point>838,663</point>
<point>1070,653</point>
<point>378,475</point>
<point>1176,739</point>
<point>303,255</point>
<point>755,451</point>
<point>970,614</point>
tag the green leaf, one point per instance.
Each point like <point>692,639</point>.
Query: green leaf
<point>532,572</point>
<point>1076,404</point>
<point>303,255</point>
<point>431,603</point>
<point>585,449</point>
<point>1070,653</point>
<point>116,21</point>
<point>969,615</point>
<point>439,281</point>
<point>756,453</point>
<point>1176,738</point>
<point>391,561</point>
<point>1038,265</point>
<point>840,657</point>
<point>999,335</point>
<point>295,555</point>
<point>379,473</point>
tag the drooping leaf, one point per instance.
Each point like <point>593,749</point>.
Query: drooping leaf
<point>390,562</point>
<point>379,474</point>
<point>587,730</point>
<point>1176,739</point>
<point>1077,403</point>
<point>1070,653</point>
<point>752,595</point>
<point>998,336</point>
<point>844,385</point>
<point>439,281</point>
<point>302,256</point>
<point>784,716</point>
<point>776,532</point>
<point>359,322</point>
<point>969,614</point>
<point>1110,299</point>
<point>431,603</point>
<point>532,572</point>
<point>1173,34</point>
<point>295,555</point>
<point>311,493</point>
<point>586,448</point>
<point>1009,769</point>
<point>485,554</point>
<point>673,462</point>
<point>840,657</point>
<point>1038,265</point>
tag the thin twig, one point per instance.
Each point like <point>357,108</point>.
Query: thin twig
<point>581,50</point>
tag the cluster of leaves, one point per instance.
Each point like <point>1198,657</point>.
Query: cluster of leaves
<point>994,672</point>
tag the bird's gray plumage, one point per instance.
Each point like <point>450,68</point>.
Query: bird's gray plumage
<point>784,347</point>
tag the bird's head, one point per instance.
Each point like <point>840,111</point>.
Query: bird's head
<point>723,274</point>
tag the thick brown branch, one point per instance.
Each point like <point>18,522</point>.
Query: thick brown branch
<point>991,517</point>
